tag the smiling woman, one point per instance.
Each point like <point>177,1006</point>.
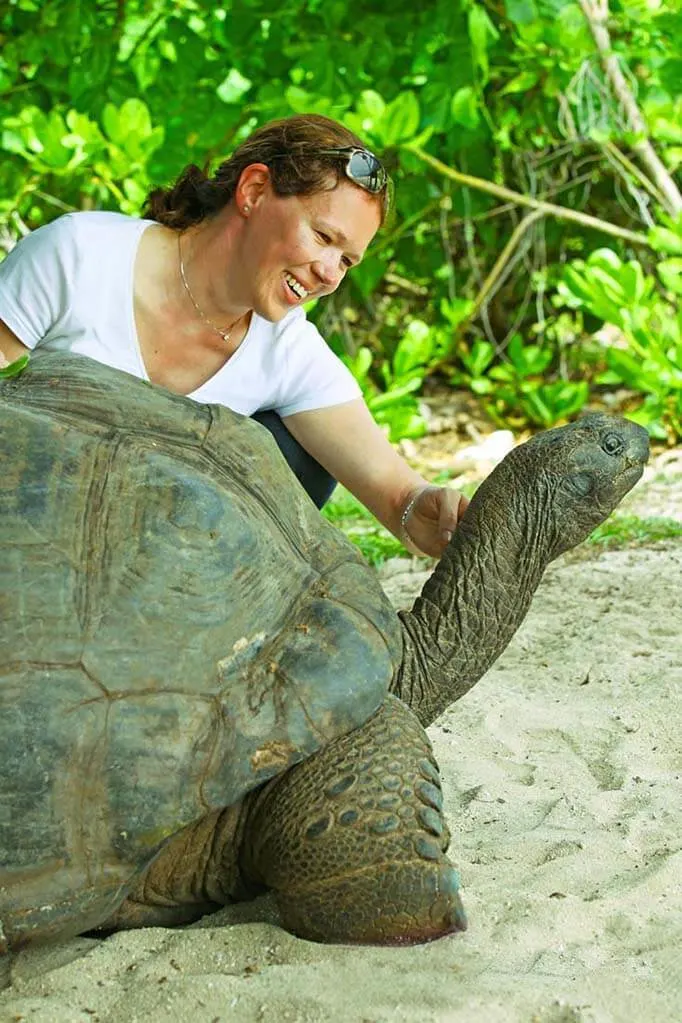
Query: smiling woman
<point>203,295</point>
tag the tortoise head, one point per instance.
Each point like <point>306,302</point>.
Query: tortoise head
<point>575,475</point>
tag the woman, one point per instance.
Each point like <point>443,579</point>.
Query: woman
<point>204,296</point>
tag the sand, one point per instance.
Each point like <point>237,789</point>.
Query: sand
<point>562,773</point>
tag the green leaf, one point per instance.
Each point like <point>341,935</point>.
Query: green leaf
<point>570,29</point>
<point>368,114</point>
<point>400,121</point>
<point>456,310</point>
<point>564,397</point>
<point>135,118</point>
<point>14,368</point>
<point>520,83</point>
<point>670,272</point>
<point>360,364</point>
<point>395,395</point>
<point>464,107</point>
<point>111,122</point>
<point>536,409</point>
<point>403,420</point>
<point>479,358</point>
<point>368,274</point>
<point>521,12</point>
<point>233,87</point>
<point>667,241</point>
<point>481,31</point>
<point>414,350</point>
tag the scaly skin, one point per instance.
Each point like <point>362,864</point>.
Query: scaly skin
<point>352,841</point>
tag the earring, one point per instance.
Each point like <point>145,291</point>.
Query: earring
<point>246,209</point>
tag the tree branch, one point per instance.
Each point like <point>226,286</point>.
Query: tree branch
<point>634,171</point>
<point>549,208</point>
<point>502,260</point>
<point>596,14</point>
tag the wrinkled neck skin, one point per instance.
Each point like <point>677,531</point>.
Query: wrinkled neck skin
<point>477,597</point>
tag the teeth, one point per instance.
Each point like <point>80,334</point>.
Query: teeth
<point>297,288</point>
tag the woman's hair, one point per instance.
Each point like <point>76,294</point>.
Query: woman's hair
<point>289,147</point>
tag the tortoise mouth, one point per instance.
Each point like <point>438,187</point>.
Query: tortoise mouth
<point>628,476</point>
<point>620,485</point>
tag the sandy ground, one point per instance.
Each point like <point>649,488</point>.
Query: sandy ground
<point>562,772</point>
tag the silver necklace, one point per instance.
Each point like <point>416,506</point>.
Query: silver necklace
<point>225,332</point>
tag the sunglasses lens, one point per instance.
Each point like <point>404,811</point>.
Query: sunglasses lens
<point>366,171</point>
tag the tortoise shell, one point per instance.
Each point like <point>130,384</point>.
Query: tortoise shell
<point>179,624</point>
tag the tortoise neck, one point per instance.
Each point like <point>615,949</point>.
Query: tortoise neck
<point>471,606</point>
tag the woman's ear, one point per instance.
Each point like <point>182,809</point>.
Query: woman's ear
<point>252,187</point>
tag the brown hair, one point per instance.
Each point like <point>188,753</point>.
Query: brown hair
<point>289,147</point>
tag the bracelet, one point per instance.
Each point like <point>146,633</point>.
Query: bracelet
<point>407,511</point>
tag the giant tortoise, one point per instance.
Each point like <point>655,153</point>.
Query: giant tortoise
<point>204,691</point>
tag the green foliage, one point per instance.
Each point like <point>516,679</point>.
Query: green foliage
<point>107,162</point>
<point>516,390</point>
<point>14,368</point>
<point>523,389</point>
<point>102,100</point>
<point>646,353</point>
<point>631,531</point>
<point>389,388</point>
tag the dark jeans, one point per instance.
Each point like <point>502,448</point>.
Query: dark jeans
<point>315,480</point>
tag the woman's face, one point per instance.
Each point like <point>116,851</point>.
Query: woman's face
<point>297,248</point>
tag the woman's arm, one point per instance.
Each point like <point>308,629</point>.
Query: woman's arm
<point>349,444</point>
<point>11,347</point>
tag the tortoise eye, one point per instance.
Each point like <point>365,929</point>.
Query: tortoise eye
<point>612,444</point>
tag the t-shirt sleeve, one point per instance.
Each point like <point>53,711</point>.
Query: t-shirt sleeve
<point>34,281</point>
<point>314,377</point>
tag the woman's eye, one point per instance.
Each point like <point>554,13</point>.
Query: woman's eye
<point>347,262</point>
<point>324,237</point>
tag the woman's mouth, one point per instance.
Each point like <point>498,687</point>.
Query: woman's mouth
<point>295,286</point>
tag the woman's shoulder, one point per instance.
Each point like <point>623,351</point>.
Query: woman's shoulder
<point>91,223</point>
<point>66,235</point>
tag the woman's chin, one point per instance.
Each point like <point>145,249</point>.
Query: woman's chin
<point>273,311</point>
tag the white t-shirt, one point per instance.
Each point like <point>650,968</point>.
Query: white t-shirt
<point>68,286</point>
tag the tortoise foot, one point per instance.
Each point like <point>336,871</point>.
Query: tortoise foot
<point>409,905</point>
<point>353,840</point>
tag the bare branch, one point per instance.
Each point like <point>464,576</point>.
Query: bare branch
<point>596,14</point>
<point>549,208</point>
<point>502,260</point>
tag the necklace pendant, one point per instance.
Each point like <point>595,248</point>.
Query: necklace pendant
<point>225,334</point>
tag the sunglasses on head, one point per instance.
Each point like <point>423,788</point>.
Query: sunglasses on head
<point>362,167</point>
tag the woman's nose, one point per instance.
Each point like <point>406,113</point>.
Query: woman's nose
<point>328,271</point>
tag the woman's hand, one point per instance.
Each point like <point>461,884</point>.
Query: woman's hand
<point>430,517</point>
<point>349,444</point>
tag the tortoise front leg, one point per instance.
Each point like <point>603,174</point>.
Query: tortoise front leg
<point>353,839</point>
<point>195,873</point>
